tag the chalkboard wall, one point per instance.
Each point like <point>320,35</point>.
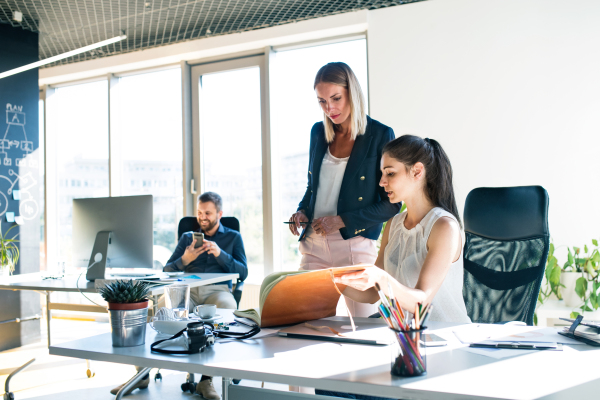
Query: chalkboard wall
<point>20,178</point>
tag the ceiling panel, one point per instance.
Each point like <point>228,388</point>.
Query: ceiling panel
<point>66,25</point>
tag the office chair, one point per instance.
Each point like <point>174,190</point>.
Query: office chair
<point>187,224</point>
<point>506,247</point>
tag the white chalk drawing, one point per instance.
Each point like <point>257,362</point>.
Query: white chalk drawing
<point>21,156</point>
<point>28,207</point>
<point>15,117</point>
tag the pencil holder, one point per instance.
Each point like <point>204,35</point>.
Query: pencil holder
<point>408,355</point>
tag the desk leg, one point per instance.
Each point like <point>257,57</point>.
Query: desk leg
<point>48,315</point>
<point>226,385</point>
<point>138,377</point>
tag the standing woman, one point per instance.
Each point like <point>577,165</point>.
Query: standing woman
<point>344,207</point>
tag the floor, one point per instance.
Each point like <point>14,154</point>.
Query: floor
<point>60,378</point>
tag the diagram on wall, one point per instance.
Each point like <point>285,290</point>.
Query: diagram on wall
<point>18,166</point>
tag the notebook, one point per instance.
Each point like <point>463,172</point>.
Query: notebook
<point>297,296</point>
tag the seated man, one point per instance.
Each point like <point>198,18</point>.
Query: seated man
<point>222,252</point>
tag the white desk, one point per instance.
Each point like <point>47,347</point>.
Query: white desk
<point>453,373</point>
<point>36,283</point>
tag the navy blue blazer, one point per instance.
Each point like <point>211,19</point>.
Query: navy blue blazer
<point>363,205</point>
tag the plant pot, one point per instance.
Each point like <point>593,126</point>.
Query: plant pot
<point>569,295</point>
<point>128,323</point>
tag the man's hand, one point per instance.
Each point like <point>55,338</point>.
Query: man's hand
<point>327,225</point>
<point>191,253</point>
<point>212,248</point>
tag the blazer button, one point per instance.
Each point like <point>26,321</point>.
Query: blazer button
<point>360,199</point>
<point>362,178</point>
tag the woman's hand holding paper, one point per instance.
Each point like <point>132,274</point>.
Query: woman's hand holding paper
<point>363,280</point>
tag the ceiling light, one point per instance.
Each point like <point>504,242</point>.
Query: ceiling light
<point>62,56</point>
<point>17,16</point>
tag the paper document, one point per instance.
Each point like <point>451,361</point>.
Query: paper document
<point>473,333</point>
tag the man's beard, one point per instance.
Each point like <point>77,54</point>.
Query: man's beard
<point>211,224</point>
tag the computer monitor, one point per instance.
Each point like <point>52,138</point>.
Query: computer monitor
<point>112,232</point>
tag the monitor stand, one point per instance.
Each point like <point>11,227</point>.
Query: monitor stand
<point>97,264</point>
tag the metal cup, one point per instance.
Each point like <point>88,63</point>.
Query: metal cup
<point>128,327</point>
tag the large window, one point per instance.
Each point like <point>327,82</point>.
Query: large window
<point>81,127</point>
<point>231,145</point>
<point>42,164</point>
<point>294,110</point>
<point>230,127</point>
<point>148,128</point>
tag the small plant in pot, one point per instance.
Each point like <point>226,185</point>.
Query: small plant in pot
<point>128,307</point>
<point>9,252</point>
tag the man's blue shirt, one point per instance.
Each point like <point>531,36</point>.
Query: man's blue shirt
<point>231,260</point>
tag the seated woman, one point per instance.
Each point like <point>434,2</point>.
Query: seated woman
<point>421,250</point>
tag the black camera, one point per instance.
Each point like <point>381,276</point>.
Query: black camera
<point>199,337</point>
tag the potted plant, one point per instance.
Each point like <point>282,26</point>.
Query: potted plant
<point>581,268</point>
<point>128,307</point>
<point>9,252</point>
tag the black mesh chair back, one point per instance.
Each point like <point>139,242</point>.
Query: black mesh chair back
<point>506,247</point>
<point>187,224</point>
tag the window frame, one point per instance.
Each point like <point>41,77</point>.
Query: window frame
<point>261,61</point>
<point>191,142</point>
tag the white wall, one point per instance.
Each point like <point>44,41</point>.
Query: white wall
<point>510,88</point>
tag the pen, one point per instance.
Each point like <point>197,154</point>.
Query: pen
<point>293,223</point>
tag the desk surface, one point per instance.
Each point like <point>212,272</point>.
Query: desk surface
<point>452,371</point>
<point>69,283</point>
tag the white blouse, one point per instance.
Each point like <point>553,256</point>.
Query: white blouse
<point>404,257</point>
<point>330,183</point>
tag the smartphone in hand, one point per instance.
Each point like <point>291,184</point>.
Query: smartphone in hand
<point>199,236</point>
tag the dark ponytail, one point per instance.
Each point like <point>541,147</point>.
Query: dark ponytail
<point>409,150</point>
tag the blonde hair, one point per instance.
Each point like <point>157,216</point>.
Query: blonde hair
<point>339,73</point>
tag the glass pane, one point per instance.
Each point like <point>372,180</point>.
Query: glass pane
<point>150,137</point>
<point>81,152</point>
<point>297,94</point>
<point>230,127</point>
<point>41,187</point>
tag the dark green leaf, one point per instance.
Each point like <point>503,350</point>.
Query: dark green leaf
<point>581,287</point>
<point>555,275</point>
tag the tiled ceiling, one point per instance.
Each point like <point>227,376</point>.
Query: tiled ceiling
<point>66,25</point>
